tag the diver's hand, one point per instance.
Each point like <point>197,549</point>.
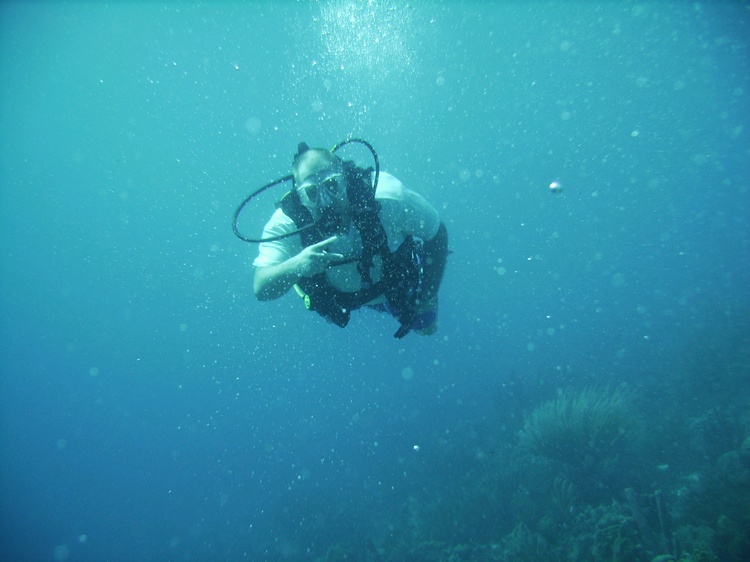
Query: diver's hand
<point>315,259</point>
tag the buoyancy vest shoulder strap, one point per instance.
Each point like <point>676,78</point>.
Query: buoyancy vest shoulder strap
<point>295,210</point>
<point>365,212</point>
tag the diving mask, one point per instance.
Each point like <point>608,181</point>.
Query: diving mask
<point>324,190</point>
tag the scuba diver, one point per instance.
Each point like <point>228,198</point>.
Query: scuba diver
<point>346,237</point>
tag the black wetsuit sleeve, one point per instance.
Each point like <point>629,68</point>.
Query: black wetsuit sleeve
<point>435,254</point>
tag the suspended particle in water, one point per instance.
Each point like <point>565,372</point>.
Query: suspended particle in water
<point>555,187</point>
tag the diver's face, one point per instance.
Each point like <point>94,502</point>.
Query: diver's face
<point>322,187</point>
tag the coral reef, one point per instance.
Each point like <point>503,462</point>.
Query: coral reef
<point>587,437</point>
<point>580,427</point>
<point>585,482</point>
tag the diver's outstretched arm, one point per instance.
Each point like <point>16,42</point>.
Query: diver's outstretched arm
<point>273,281</point>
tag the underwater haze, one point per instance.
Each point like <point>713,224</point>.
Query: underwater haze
<point>587,394</point>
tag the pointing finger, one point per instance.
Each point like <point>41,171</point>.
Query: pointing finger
<point>325,242</point>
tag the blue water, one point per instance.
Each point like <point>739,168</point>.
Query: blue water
<point>153,410</point>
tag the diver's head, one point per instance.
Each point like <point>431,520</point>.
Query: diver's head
<point>321,186</point>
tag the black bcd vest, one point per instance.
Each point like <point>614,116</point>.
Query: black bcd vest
<point>402,270</point>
